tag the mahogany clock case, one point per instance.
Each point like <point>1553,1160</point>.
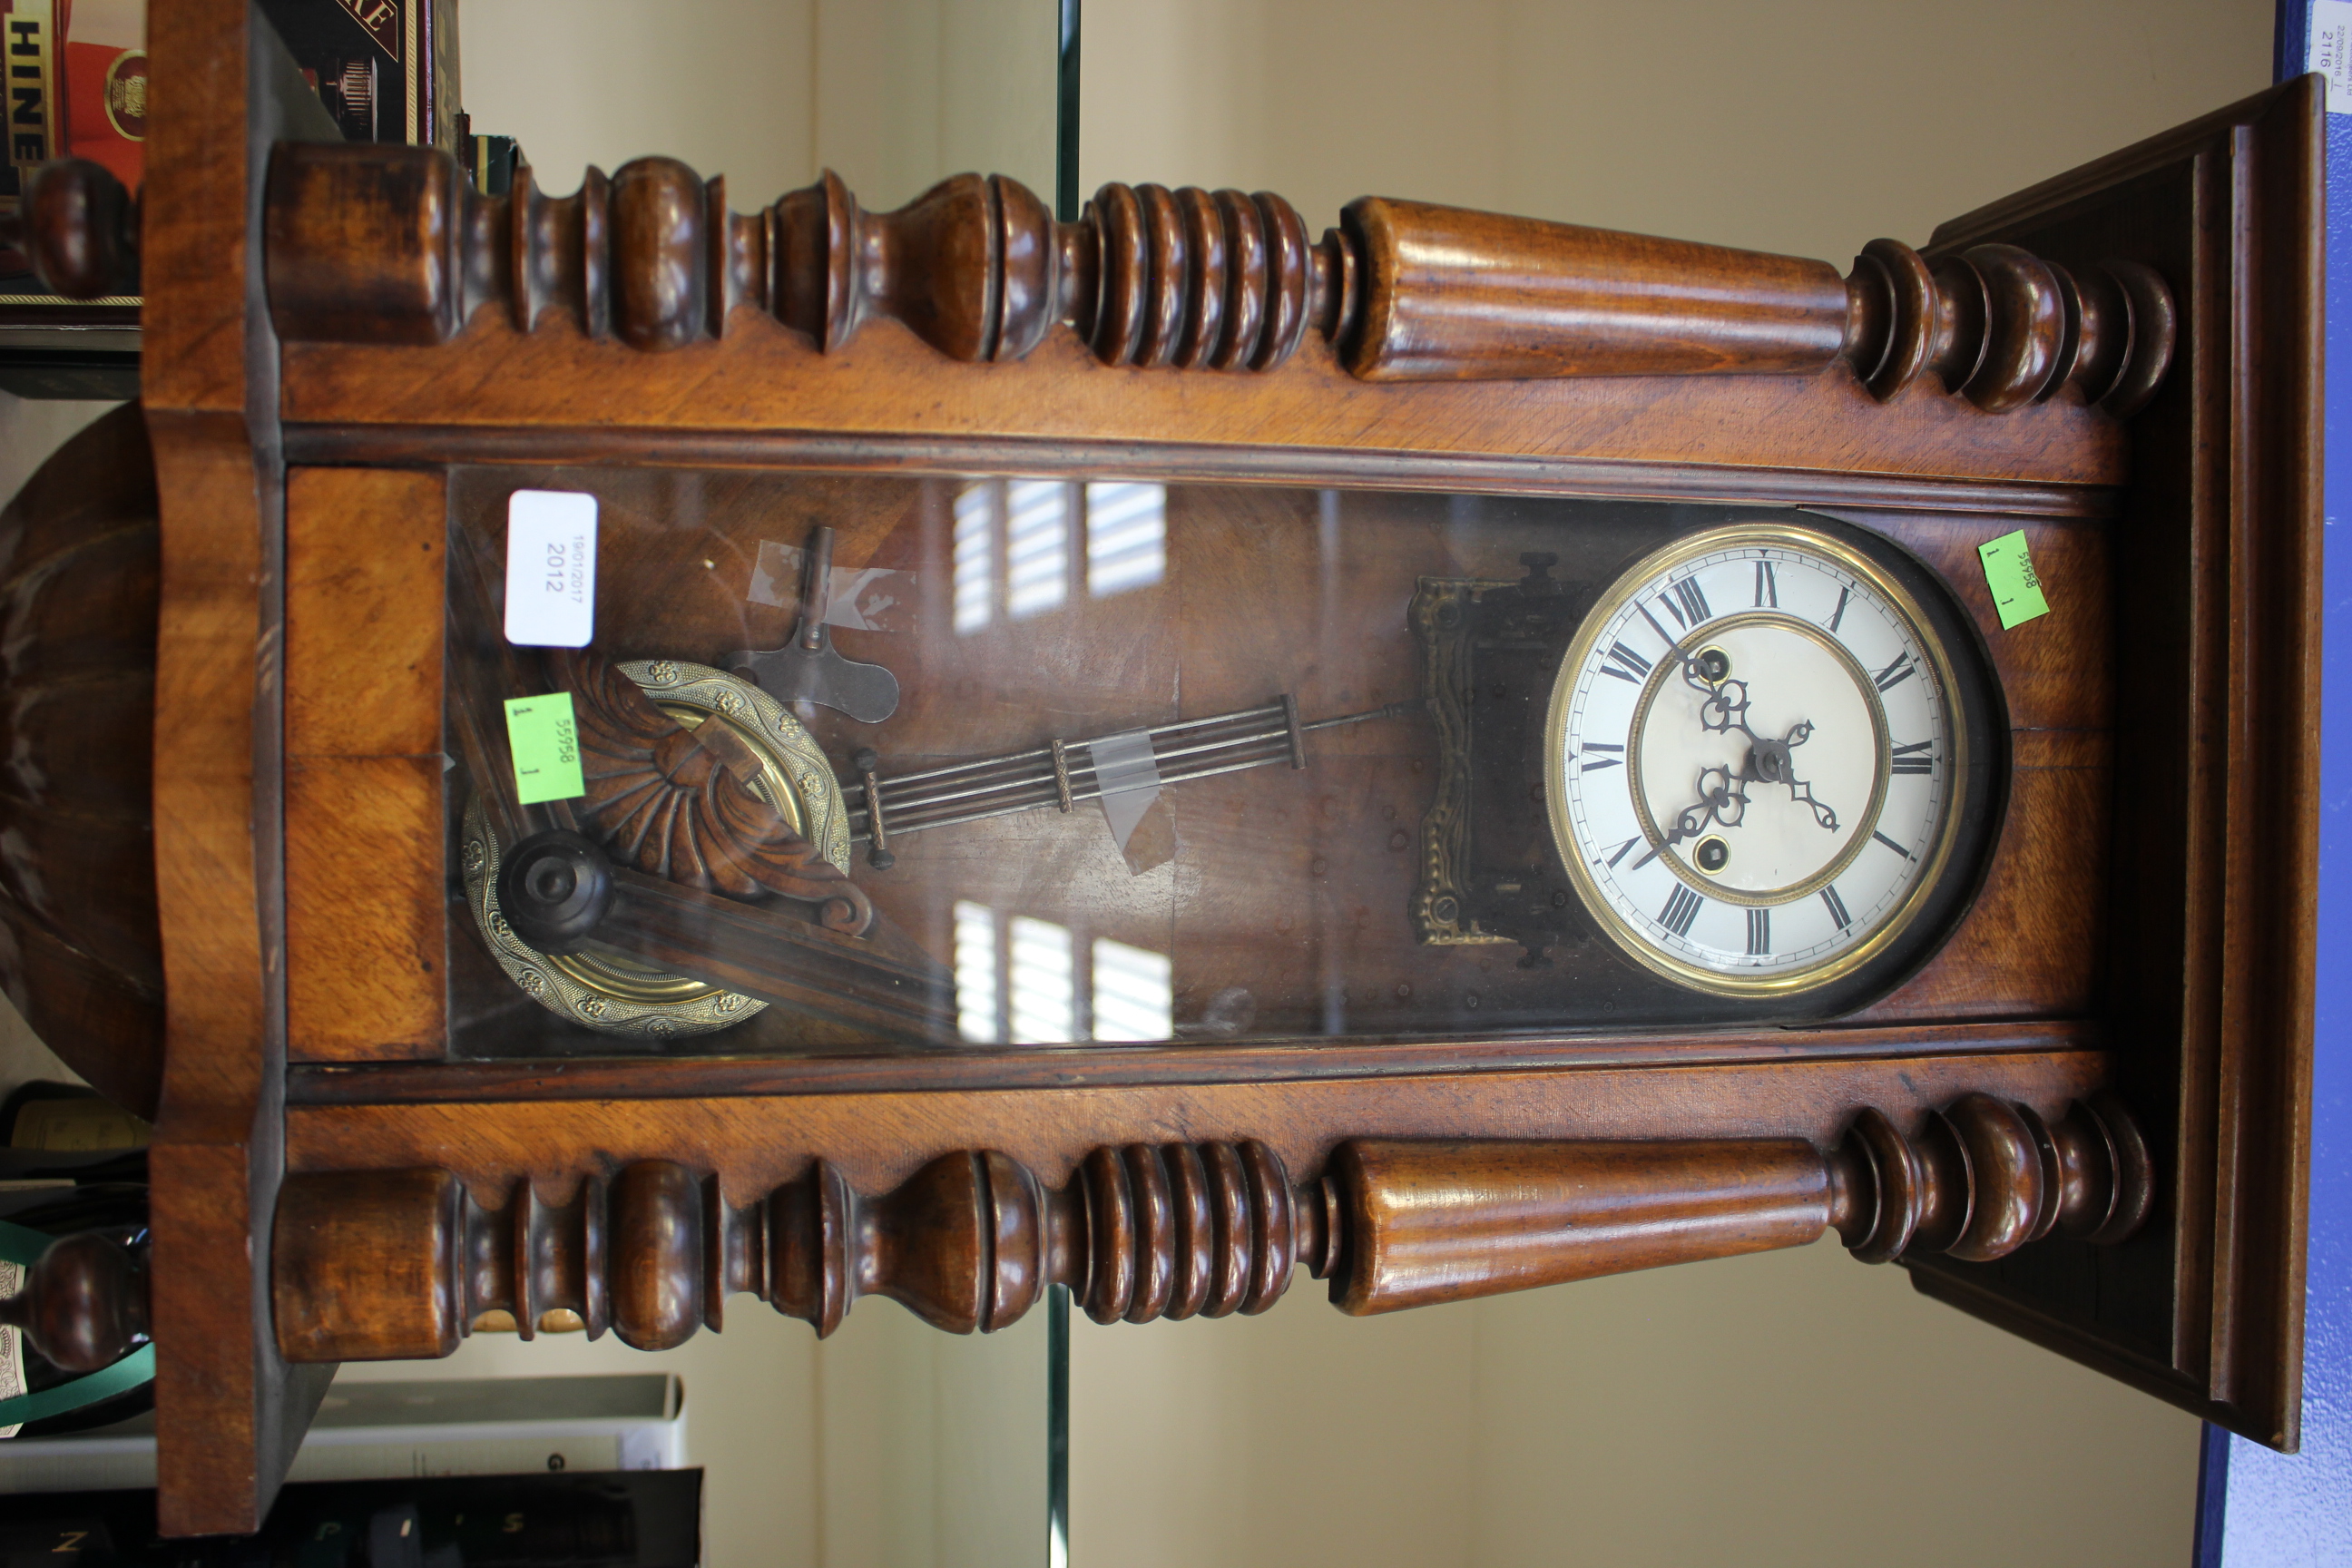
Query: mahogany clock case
<point>1275,893</point>
<point>342,342</point>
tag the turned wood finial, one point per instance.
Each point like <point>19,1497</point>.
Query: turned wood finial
<point>384,243</point>
<point>1985,1176</point>
<point>2003,328</point>
<point>84,1302</point>
<point>79,227</point>
<point>1425,1222</point>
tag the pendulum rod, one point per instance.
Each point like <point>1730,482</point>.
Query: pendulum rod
<point>1054,777</point>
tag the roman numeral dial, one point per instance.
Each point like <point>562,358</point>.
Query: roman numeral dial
<point>1682,909</point>
<point>1687,602</point>
<point>1753,759</point>
<point>1625,664</point>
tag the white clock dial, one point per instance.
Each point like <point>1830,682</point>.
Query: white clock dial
<point>1752,762</point>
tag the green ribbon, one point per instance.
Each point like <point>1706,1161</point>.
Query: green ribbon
<point>20,1245</point>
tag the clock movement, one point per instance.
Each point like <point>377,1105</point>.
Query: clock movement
<point>1765,760</point>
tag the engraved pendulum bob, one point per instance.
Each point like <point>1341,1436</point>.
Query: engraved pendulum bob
<point>613,992</point>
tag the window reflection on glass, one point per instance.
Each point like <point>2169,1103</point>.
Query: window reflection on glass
<point>1017,981</point>
<point>1126,535</point>
<point>1016,553</point>
<point>975,557</point>
<point>977,1015</point>
<point>1036,546</point>
<point>1133,994</point>
<point>1044,994</point>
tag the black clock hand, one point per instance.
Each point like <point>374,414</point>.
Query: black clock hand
<point>1725,707</point>
<point>1719,803</point>
<point>1768,762</point>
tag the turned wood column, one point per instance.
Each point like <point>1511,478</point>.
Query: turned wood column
<point>390,245</point>
<point>1426,1222</point>
<point>384,1265</point>
<point>398,1265</point>
<point>377,1264</point>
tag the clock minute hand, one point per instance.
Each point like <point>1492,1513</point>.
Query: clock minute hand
<point>1721,803</point>
<point>1769,762</point>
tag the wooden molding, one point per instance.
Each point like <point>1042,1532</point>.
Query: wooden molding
<point>230,1413</point>
<point>2213,937</point>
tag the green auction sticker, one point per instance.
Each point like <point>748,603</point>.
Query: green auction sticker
<point>546,748</point>
<point>2009,571</point>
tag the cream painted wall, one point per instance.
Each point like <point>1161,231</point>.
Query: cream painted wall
<point>1814,127</point>
<point>888,1445</point>
<point>1788,1408</point>
<point>892,94</point>
<point>1798,1407</point>
<point>1809,127</point>
<point>723,84</point>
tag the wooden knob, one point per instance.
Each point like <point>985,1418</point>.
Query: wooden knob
<point>80,229</point>
<point>656,1242</point>
<point>554,890</point>
<point>84,1304</point>
<point>661,241</point>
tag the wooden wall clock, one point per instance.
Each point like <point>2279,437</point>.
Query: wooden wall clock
<point>1554,750</point>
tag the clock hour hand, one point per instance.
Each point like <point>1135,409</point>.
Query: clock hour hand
<point>1720,804</point>
<point>1725,707</point>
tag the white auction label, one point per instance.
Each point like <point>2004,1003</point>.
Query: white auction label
<point>551,569</point>
<point>2329,51</point>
